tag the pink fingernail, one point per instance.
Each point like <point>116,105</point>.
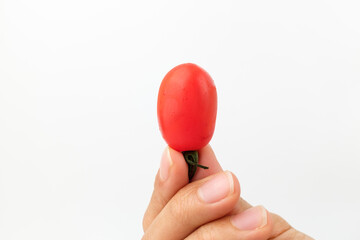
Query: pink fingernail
<point>251,219</point>
<point>165,164</point>
<point>217,188</point>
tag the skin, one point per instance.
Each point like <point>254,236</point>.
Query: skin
<point>177,211</point>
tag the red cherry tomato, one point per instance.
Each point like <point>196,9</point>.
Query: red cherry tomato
<point>186,107</point>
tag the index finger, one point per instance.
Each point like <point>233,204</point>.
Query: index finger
<point>207,158</point>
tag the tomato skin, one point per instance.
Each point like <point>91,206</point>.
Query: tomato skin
<point>186,107</point>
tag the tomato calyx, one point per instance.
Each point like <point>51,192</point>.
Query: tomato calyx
<point>192,160</point>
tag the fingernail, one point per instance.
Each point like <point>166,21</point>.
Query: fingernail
<point>251,219</point>
<point>217,188</point>
<point>165,164</point>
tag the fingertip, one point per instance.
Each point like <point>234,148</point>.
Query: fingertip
<point>207,158</point>
<point>165,165</point>
<point>177,159</point>
<point>237,187</point>
<point>172,173</point>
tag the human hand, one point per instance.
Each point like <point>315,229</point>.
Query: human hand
<point>210,207</point>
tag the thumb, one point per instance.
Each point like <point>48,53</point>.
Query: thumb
<point>173,175</point>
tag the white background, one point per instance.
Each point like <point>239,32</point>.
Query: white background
<point>79,141</point>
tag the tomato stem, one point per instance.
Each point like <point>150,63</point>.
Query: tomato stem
<point>192,160</point>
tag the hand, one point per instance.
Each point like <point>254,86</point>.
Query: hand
<point>209,207</point>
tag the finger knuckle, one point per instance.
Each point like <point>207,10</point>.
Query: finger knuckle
<point>292,233</point>
<point>157,200</point>
<point>180,208</point>
<point>145,223</point>
<point>205,233</point>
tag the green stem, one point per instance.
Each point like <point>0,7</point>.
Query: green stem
<point>192,160</point>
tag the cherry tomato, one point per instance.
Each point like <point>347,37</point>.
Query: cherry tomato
<point>186,107</point>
